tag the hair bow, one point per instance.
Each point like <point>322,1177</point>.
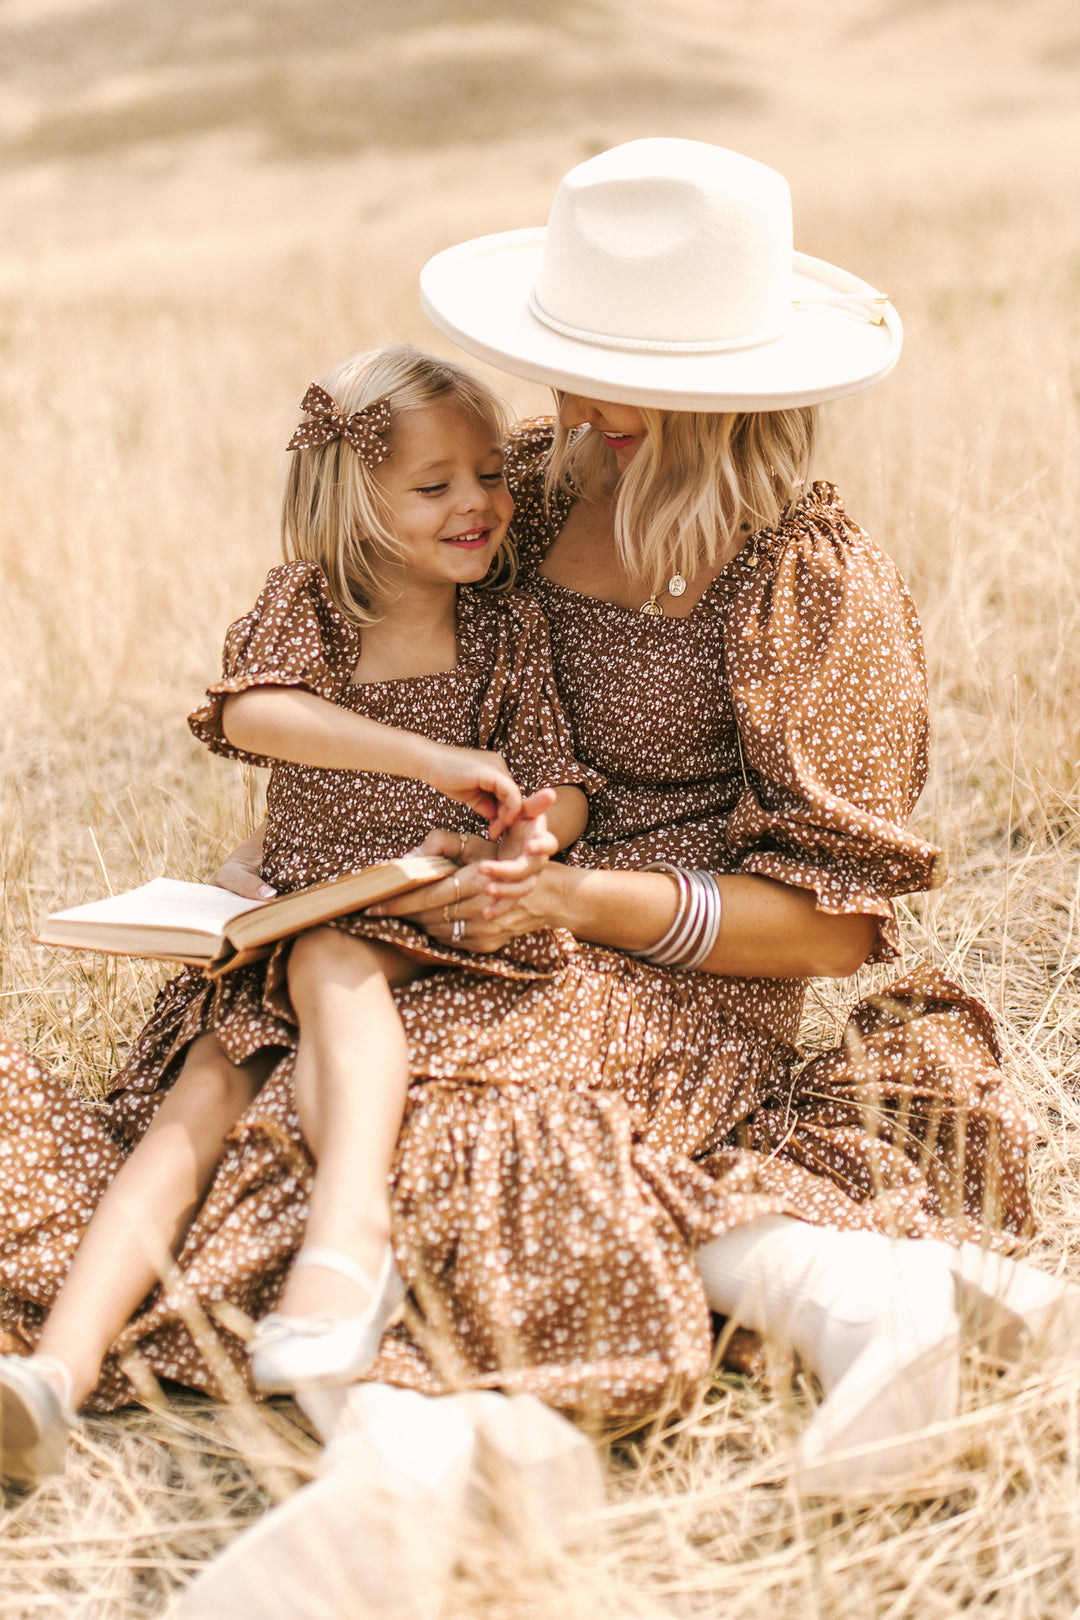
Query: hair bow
<point>363,429</point>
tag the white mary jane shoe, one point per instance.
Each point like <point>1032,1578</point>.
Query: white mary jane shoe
<point>293,1352</point>
<point>34,1420</point>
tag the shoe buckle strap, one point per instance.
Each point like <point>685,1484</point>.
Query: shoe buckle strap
<point>334,1260</point>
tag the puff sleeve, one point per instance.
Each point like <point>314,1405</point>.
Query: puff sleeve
<point>825,662</point>
<point>294,636</point>
<point>522,716</point>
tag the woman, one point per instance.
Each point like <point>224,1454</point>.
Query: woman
<point>744,667</point>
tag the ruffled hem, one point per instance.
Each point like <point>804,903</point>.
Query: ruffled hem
<point>838,894</point>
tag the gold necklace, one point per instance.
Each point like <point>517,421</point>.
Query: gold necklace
<point>675,587</point>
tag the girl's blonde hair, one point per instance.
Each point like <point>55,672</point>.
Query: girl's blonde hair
<point>699,483</point>
<point>334,513</point>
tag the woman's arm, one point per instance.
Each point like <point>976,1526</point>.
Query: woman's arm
<point>287,723</point>
<point>767,930</point>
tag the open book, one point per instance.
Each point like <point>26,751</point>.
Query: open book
<point>216,930</point>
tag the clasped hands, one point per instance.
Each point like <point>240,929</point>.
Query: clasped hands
<point>493,892</point>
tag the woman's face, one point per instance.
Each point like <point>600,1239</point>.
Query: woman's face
<point>622,427</point>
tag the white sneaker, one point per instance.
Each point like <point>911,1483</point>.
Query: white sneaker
<point>888,1359</point>
<point>376,1534</point>
<point>1014,1310</point>
<point>537,1477</point>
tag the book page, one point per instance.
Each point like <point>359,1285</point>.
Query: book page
<point>165,903</point>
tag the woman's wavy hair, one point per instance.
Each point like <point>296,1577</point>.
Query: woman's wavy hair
<point>334,513</point>
<point>700,483</point>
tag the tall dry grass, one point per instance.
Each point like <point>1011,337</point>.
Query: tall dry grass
<point>174,272</point>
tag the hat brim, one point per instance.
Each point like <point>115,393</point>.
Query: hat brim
<point>477,293</point>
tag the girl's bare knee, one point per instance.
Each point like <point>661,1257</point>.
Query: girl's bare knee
<point>211,1082</point>
<point>325,953</point>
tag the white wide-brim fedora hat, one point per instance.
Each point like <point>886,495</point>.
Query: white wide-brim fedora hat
<point>666,276</point>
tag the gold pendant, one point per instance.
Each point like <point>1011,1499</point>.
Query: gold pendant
<point>676,585</point>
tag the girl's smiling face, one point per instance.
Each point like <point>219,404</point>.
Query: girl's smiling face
<point>449,506</point>
<point>622,427</point>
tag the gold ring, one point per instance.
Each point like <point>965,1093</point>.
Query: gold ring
<point>457,891</point>
<point>446,917</point>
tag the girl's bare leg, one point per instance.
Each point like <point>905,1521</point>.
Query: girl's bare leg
<point>147,1209</point>
<point>352,1072</point>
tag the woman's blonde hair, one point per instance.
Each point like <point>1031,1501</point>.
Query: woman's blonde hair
<point>334,513</point>
<point>701,481</point>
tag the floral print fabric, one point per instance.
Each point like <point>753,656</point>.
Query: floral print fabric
<point>569,1139</point>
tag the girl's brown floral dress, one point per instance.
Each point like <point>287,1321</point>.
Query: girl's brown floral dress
<point>570,1138</point>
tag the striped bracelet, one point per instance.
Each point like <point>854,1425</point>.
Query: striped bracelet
<point>691,937</point>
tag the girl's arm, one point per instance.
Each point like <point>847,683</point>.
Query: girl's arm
<point>288,723</point>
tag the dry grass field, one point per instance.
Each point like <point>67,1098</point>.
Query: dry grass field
<point>205,203</point>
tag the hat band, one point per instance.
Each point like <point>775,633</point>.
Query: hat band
<point>869,306</point>
<point>861,306</point>
<point>607,340</point>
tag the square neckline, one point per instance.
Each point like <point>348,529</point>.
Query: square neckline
<point>464,618</point>
<point>563,504</point>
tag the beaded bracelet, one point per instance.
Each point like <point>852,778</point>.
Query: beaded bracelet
<point>692,935</point>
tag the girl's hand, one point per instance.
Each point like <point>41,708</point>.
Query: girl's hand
<point>525,848</point>
<point>479,779</point>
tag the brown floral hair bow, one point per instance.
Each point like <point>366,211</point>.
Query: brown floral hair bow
<point>363,429</point>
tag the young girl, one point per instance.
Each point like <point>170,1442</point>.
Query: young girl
<point>389,694</point>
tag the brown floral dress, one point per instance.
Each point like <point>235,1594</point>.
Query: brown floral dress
<point>499,695</point>
<point>569,1139</point>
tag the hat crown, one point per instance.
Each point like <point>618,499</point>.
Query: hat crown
<point>669,241</point>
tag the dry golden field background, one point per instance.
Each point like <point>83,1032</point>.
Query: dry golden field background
<point>203,204</point>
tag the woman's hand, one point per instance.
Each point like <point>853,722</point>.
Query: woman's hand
<point>239,872</point>
<point>494,893</point>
